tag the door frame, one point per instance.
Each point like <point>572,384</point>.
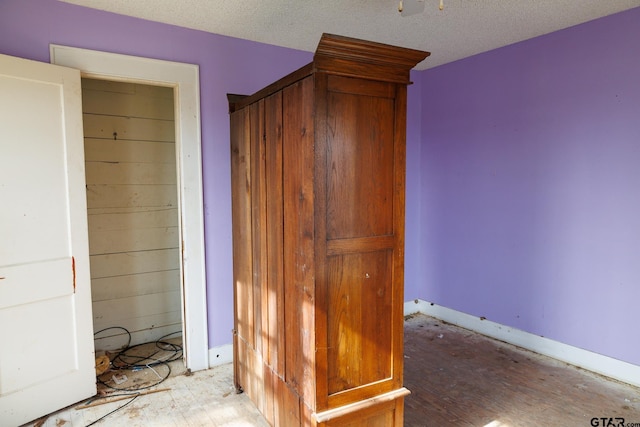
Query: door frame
<point>185,81</point>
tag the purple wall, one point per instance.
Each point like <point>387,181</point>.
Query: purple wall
<point>227,65</point>
<point>412,263</point>
<point>530,195</point>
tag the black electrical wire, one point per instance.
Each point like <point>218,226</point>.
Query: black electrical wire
<point>124,360</point>
<point>163,346</point>
<point>120,360</point>
<point>117,327</point>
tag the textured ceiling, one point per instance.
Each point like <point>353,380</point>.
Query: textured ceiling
<point>463,28</point>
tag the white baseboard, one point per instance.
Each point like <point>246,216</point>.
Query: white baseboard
<point>220,355</point>
<point>604,365</point>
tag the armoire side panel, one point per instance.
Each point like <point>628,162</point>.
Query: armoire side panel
<point>399,192</point>
<point>242,242</point>
<point>258,222</point>
<point>299,292</point>
<point>275,328</point>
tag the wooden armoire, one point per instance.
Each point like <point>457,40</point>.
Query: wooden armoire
<point>318,196</point>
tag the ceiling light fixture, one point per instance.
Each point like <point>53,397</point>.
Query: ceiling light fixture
<point>413,7</point>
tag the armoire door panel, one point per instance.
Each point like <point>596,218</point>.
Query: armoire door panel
<point>359,334</point>
<point>360,165</point>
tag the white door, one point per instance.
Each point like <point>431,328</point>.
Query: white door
<point>46,330</point>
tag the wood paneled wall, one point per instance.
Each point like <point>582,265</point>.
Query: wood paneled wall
<point>132,210</point>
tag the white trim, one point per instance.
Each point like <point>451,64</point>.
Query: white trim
<point>220,355</point>
<point>604,365</point>
<point>184,78</point>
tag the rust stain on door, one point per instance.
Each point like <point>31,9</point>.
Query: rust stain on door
<point>73,270</point>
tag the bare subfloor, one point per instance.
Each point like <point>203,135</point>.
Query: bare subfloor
<point>461,378</point>
<point>456,378</point>
<point>206,398</point>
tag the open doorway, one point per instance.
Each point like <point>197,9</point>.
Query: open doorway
<point>133,218</point>
<point>183,81</point>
